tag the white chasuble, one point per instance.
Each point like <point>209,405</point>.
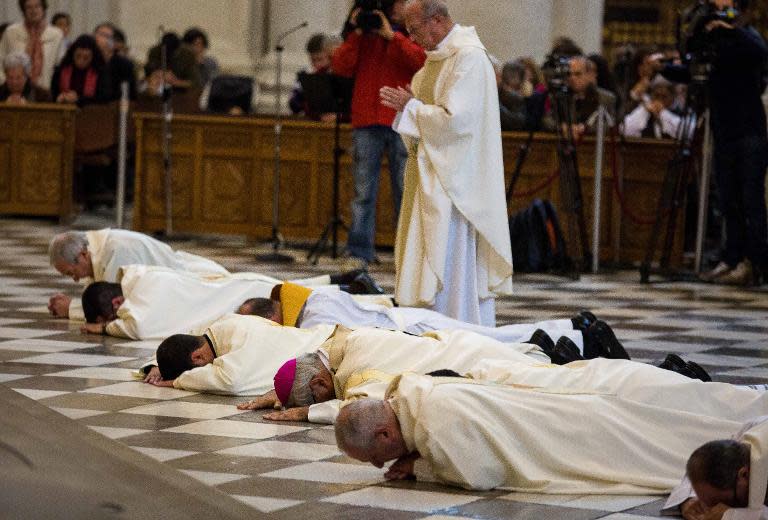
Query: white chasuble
<point>249,350</point>
<point>454,170</point>
<point>160,302</point>
<point>364,361</point>
<point>111,249</point>
<point>483,436</point>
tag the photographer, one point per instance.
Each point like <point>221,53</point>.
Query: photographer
<point>377,53</point>
<point>738,55</point>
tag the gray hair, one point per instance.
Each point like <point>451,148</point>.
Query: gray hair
<point>66,246</point>
<point>18,59</point>
<point>430,8</point>
<point>307,367</point>
<point>357,423</point>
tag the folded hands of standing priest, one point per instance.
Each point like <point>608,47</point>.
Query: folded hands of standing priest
<point>395,98</point>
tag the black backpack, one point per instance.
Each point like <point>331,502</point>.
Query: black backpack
<point>537,239</point>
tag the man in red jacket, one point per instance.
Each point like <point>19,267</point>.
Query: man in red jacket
<point>375,57</point>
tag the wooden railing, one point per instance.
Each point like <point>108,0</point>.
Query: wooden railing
<point>222,181</point>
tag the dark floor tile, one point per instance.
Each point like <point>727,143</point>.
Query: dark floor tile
<point>498,508</point>
<point>220,463</point>
<point>330,511</point>
<point>133,420</point>
<point>96,401</point>
<point>184,441</point>
<point>283,488</point>
<point>69,384</point>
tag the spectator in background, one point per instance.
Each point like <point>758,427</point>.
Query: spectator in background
<point>80,77</point>
<point>121,44</point>
<point>182,68</point>
<point>375,58</point>
<point>586,97</point>
<point>117,69</point>
<point>17,89</point>
<point>41,42</point>
<point>564,46</point>
<point>64,22</point>
<point>207,66</point>
<point>320,48</point>
<point>512,96</point>
<point>654,117</point>
<point>533,75</point>
<point>641,73</point>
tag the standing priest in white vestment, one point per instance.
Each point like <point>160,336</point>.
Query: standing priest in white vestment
<point>452,252</point>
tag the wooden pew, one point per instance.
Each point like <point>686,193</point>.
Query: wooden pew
<point>36,158</point>
<point>222,180</point>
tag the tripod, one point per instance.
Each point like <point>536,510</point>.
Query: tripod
<point>277,239</point>
<point>680,172</point>
<point>326,93</point>
<point>570,182</point>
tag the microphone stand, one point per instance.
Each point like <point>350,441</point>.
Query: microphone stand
<point>275,255</point>
<point>167,135</point>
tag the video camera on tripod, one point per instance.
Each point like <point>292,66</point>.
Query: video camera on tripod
<point>556,70</point>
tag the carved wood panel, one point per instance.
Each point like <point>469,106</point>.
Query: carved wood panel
<point>38,167</point>
<point>226,194</point>
<point>154,193</point>
<point>6,171</point>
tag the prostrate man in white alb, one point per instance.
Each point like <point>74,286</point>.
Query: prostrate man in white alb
<point>97,256</point>
<point>453,251</point>
<point>155,302</point>
<point>482,436</point>
<point>236,355</point>
<point>300,306</point>
<point>726,479</point>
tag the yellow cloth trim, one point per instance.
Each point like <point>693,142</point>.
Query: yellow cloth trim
<point>292,298</point>
<point>359,378</point>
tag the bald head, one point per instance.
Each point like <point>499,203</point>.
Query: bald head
<point>368,430</point>
<point>428,22</point>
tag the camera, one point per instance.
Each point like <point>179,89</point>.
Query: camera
<point>367,19</point>
<point>556,70</point>
<point>693,35</point>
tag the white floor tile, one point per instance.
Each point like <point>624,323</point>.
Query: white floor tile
<point>18,333</point>
<point>139,389</point>
<point>145,344</point>
<point>401,499</point>
<point>4,378</point>
<point>665,347</point>
<point>284,450</point>
<point>111,373</point>
<point>239,429</point>
<point>613,503</point>
<point>331,472</point>
<point>36,394</point>
<point>12,321</point>
<point>42,345</point>
<point>186,410</point>
<point>63,358</point>
<point>38,309</point>
<point>622,516</point>
<point>724,361</point>
<point>116,433</point>
<point>266,504</point>
<point>213,479</point>
<point>163,454</point>
<point>747,372</point>
<point>77,413</point>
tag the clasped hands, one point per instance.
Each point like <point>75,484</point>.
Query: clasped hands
<point>395,98</point>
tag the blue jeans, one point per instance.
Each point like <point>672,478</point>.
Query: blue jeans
<point>369,144</point>
<point>740,172</point>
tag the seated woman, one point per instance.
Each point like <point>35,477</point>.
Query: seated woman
<point>79,78</point>
<point>18,89</point>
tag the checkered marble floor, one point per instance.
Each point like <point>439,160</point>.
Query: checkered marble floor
<point>290,470</point>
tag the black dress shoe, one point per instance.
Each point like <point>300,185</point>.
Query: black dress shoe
<point>610,347</point>
<point>698,372</point>
<point>365,284</point>
<point>675,363</point>
<point>567,349</point>
<point>542,340</point>
<point>583,320</point>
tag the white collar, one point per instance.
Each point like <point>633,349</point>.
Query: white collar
<point>323,355</point>
<point>447,36</point>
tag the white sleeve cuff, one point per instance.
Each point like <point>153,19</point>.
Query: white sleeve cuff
<point>405,122</point>
<point>324,413</point>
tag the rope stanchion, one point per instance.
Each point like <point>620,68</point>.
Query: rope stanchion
<point>546,182</point>
<point>637,219</point>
